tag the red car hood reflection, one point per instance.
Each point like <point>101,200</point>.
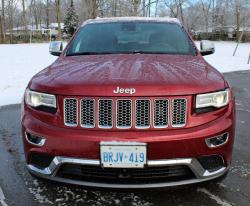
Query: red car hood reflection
<point>150,75</point>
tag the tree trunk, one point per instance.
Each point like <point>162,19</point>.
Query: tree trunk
<point>11,26</point>
<point>24,22</point>
<point>47,13</point>
<point>3,22</point>
<point>115,8</point>
<point>149,8</point>
<point>181,12</point>
<point>58,18</point>
<point>143,7</point>
<point>206,15</point>
<point>237,21</point>
<point>93,9</point>
<point>213,17</point>
<point>1,29</point>
<point>156,7</point>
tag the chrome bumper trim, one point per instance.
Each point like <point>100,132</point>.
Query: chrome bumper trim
<point>200,173</point>
<point>40,144</point>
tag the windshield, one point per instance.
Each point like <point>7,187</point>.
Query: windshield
<point>131,37</point>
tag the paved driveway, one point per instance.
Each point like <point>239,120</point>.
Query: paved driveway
<point>17,187</point>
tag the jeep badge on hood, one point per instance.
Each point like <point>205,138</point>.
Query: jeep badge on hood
<point>124,90</point>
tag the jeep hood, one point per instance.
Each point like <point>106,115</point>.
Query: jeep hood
<point>150,75</point>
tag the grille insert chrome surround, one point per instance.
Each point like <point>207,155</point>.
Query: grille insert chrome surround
<point>125,113</point>
<point>88,113</point>
<point>161,113</point>
<point>142,113</point>
<point>105,113</point>
<point>179,112</point>
<point>71,112</point>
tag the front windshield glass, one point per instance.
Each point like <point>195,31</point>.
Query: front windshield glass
<point>131,37</point>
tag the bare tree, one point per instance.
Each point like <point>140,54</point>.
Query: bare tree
<point>37,8</point>
<point>240,9</point>
<point>195,15</point>
<point>176,8</point>
<point>47,8</point>
<point>58,17</point>
<point>114,7</point>
<point>11,10</point>
<point>143,7</point>
<point>1,29</point>
<point>2,22</point>
<point>92,6</point>
<point>135,6</point>
<point>206,6</point>
<point>149,8</point>
<point>24,21</point>
<point>89,8</point>
<point>237,11</point>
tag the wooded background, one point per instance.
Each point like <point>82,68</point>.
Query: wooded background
<point>194,14</point>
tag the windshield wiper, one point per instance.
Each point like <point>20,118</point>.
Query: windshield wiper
<point>140,52</point>
<point>116,52</point>
<point>86,53</point>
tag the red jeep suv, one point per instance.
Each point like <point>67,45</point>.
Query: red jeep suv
<point>129,103</point>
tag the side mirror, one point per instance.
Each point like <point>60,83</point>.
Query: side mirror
<point>206,47</point>
<point>56,48</point>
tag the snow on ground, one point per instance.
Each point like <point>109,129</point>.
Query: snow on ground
<point>223,58</point>
<point>18,63</point>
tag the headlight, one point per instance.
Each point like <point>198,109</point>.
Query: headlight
<point>36,99</point>
<point>216,99</point>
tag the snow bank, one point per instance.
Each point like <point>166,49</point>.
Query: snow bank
<point>18,63</point>
<point>223,58</point>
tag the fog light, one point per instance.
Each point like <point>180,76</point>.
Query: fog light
<point>211,163</point>
<point>34,139</point>
<point>40,160</point>
<point>217,141</point>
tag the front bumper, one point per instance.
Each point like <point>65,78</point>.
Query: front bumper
<point>164,148</point>
<point>200,173</point>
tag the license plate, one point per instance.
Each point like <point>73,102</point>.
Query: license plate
<point>123,154</point>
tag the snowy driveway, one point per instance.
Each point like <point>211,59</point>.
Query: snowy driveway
<point>19,188</point>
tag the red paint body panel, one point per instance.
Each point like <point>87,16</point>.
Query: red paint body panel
<point>178,143</point>
<point>153,76</point>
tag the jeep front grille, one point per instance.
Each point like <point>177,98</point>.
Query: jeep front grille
<point>105,113</point>
<point>142,113</point>
<point>70,112</point>
<point>161,113</point>
<point>125,113</point>
<point>179,112</point>
<point>88,113</point>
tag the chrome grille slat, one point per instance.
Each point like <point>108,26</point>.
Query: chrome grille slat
<point>179,110</point>
<point>105,113</point>
<point>142,113</point>
<point>71,112</point>
<point>124,113</point>
<point>161,107</point>
<point>130,113</point>
<point>88,113</point>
